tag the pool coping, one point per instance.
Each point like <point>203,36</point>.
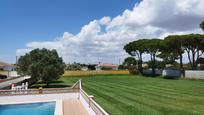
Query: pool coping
<point>58,105</point>
<point>58,108</point>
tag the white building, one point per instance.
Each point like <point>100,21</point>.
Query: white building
<point>7,67</point>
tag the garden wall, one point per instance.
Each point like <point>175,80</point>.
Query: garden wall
<point>170,72</point>
<point>149,71</point>
<point>194,74</point>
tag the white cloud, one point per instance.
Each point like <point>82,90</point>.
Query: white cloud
<point>105,20</point>
<point>103,39</point>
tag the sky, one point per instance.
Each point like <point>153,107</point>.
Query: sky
<point>89,31</point>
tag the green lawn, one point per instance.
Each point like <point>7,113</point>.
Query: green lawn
<point>131,95</point>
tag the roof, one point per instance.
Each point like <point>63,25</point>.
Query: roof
<point>3,64</point>
<point>107,65</point>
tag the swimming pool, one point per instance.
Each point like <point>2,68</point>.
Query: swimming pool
<point>45,108</point>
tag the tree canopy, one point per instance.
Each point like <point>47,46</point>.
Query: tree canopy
<point>129,61</point>
<point>152,47</point>
<point>41,64</point>
<point>172,47</point>
<point>202,25</point>
<point>193,45</point>
<point>136,48</point>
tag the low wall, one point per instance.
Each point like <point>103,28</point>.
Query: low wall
<point>170,72</point>
<point>37,98</point>
<point>194,74</point>
<point>149,71</point>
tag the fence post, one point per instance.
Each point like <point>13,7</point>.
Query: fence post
<point>40,90</point>
<point>90,97</point>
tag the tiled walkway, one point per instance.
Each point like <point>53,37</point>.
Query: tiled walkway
<point>73,107</point>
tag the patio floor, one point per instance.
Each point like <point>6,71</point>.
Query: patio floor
<point>73,107</point>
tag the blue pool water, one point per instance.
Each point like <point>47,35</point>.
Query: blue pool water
<point>47,108</point>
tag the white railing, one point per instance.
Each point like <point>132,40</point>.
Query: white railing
<point>92,104</point>
<point>37,91</point>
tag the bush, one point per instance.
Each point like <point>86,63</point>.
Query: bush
<point>3,76</point>
<point>122,67</point>
<point>133,70</point>
<point>91,67</point>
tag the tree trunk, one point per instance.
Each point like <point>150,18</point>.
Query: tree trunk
<point>140,64</point>
<point>153,65</point>
<point>198,56</point>
<point>181,61</point>
<point>193,60</point>
<point>181,66</point>
<point>189,58</point>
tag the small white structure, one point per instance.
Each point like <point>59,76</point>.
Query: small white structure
<point>194,74</point>
<point>13,74</point>
<point>24,86</point>
<point>11,69</point>
<point>84,68</point>
<point>7,67</point>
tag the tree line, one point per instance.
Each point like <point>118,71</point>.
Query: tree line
<point>169,49</point>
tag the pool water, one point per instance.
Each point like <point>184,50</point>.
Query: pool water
<point>47,108</point>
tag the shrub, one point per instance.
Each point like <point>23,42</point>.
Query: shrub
<point>133,69</point>
<point>3,76</point>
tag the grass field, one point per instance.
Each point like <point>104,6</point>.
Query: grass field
<point>92,73</point>
<point>131,95</point>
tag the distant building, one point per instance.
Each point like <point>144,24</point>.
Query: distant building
<point>84,68</point>
<point>7,67</point>
<point>11,69</point>
<point>106,67</point>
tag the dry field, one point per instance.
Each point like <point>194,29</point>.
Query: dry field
<point>92,73</point>
<point>4,72</point>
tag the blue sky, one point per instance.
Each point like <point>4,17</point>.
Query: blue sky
<point>23,21</point>
<point>89,31</point>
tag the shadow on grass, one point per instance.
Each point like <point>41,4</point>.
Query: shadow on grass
<point>53,84</point>
<point>50,86</point>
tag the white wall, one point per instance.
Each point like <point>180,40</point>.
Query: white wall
<point>194,74</point>
<point>170,72</point>
<point>36,98</point>
<point>9,68</point>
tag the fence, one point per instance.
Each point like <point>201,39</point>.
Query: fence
<point>149,71</point>
<point>194,74</point>
<point>37,91</point>
<point>95,107</point>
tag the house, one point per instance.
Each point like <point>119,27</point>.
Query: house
<point>7,67</point>
<point>106,67</point>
